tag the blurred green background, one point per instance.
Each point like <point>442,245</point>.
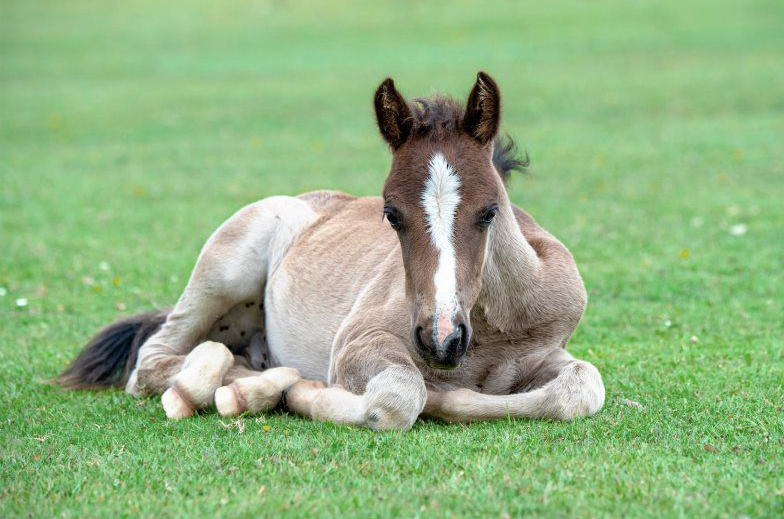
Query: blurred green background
<point>130,130</point>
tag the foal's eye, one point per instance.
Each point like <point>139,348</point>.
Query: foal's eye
<point>392,217</point>
<point>487,217</point>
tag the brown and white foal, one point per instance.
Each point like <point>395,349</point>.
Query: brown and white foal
<point>458,306</point>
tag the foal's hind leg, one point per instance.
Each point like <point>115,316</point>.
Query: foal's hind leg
<point>210,365</point>
<point>575,391</point>
<point>253,392</point>
<point>232,267</point>
<point>202,372</point>
<point>248,390</point>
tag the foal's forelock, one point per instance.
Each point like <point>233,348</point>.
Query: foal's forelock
<point>440,199</point>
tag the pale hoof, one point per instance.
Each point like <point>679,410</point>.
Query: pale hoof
<point>228,402</point>
<point>175,405</point>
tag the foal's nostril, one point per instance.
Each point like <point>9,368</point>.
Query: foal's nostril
<point>453,341</point>
<point>463,335</point>
<point>418,337</point>
<point>457,342</point>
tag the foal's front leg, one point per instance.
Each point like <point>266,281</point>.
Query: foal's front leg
<point>576,391</point>
<point>374,384</point>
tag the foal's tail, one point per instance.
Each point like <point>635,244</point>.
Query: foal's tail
<point>109,357</point>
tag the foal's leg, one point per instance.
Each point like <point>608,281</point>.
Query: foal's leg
<point>202,372</point>
<point>576,391</point>
<point>375,384</point>
<point>232,268</point>
<point>252,391</point>
<point>201,381</point>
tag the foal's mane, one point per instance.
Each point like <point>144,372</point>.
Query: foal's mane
<point>439,116</point>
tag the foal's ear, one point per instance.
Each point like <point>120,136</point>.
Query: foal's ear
<point>392,114</point>
<point>483,109</point>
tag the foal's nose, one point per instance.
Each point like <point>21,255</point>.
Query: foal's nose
<point>439,348</point>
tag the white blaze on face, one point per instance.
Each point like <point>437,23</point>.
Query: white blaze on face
<point>440,199</point>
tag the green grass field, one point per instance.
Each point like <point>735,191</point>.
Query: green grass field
<point>130,130</point>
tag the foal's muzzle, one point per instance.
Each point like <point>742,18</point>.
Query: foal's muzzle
<point>449,353</point>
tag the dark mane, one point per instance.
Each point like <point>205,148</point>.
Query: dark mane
<point>439,117</point>
<point>507,158</point>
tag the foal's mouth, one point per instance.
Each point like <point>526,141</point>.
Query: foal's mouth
<point>451,358</point>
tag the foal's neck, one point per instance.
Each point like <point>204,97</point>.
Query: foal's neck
<point>510,272</point>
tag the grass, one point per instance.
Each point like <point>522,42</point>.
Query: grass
<point>130,130</point>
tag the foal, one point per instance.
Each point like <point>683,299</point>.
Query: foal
<point>456,305</point>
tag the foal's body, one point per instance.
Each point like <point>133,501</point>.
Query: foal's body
<point>371,296</point>
<point>320,287</point>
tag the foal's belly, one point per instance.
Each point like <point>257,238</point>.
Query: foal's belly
<point>310,294</point>
<point>299,331</point>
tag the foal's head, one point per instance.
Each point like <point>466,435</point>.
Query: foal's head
<point>441,196</point>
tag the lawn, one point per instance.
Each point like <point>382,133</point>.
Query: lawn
<point>130,130</point>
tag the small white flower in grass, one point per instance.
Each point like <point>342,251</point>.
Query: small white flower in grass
<point>739,229</point>
<point>3,291</point>
<point>22,301</point>
<point>103,266</point>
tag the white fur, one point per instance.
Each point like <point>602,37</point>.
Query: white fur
<point>440,199</point>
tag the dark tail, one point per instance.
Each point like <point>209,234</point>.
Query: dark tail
<point>109,357</point>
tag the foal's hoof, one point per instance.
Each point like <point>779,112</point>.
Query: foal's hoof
<point>175,405</point>
<point>228,402</point>
<point>379,418</point>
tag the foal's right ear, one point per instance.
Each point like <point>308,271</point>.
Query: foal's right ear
<point>392,114</point>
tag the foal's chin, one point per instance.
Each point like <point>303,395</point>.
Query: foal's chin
<point>443,367</point>
<point>440,366</point>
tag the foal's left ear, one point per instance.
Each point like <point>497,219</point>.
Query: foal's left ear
<point>483,109</point>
